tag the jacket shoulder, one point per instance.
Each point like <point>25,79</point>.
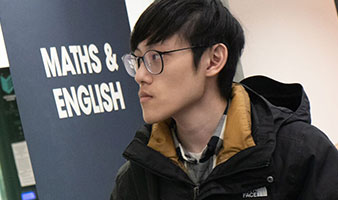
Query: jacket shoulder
<point>134,182</point>
<point>123,188</point>
<point>307,161</point>
<point>305,134</point>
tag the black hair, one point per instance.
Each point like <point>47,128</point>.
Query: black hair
<point>201,23</point>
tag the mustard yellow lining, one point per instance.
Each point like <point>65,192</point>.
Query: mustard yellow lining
<point>162,141</point>
<point>237,135</point>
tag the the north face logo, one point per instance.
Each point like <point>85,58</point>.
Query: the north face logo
<point>260,192</point>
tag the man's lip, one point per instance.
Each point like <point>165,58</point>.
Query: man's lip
<point>144,96</point>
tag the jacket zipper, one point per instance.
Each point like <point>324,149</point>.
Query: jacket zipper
<point>196,191</point>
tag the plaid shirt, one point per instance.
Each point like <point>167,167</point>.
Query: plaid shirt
<point>199,169</point>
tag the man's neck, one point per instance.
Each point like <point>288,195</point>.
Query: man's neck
<point>196,125</point>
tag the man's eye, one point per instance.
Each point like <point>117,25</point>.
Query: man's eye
<point>155,56</point>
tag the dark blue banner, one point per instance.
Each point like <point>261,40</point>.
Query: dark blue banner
<point>78,107</point>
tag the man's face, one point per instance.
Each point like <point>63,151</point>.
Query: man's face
<point>177,90</point>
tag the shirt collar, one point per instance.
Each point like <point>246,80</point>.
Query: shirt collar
<point>212,148</point>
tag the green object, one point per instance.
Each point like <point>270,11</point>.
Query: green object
<point>10,132</point>
<point>3,195</point>
<point>7,84</point>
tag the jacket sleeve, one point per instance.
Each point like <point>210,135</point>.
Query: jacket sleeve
<point>124,186</point>
<point>321,156</point>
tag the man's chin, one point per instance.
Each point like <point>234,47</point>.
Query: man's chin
<point>148,119</point>
<point>152,119</point>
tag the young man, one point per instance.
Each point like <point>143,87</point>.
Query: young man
<point>207,137</point>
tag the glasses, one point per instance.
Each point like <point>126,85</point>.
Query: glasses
<point>152,59</point>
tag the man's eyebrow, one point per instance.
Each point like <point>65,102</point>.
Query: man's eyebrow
<point>137,49</point>
<point>149,47</point>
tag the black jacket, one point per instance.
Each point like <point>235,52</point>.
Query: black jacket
<point>291,160</point>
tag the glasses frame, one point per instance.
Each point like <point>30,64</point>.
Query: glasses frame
<point>138,58</point>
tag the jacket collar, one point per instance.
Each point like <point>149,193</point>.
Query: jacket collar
<point>153,145</point>
<point>266,118</point>
<point>237,135</point>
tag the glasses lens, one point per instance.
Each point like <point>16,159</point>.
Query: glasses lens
<point>153,62</point>
<point>130,64</point>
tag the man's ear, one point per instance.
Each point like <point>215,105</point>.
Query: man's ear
<point>218,55</point>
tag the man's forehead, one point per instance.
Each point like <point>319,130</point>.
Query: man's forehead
<point>175,40</point>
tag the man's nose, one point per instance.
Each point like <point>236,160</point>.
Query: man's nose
<point>142,74</point>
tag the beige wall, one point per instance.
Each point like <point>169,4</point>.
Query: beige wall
<point>295,41</point>
<point>135,9</point>
<point>3,53</point>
